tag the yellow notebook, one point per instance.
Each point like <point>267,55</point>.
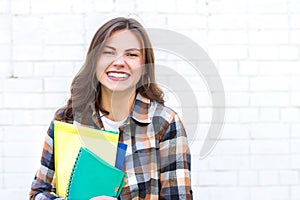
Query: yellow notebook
<point>68,138</point>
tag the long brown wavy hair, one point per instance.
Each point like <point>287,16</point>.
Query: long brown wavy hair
<point>85,87</point>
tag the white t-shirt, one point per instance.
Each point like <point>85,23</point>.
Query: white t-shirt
<point>110,125</point>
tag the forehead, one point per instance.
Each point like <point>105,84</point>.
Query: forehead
<point>124,39</point>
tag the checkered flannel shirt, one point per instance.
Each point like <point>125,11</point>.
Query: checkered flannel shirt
<point>157,159</point>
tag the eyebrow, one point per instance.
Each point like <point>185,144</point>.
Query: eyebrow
<point>131,49</point>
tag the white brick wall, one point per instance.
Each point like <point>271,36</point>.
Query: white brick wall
<point>255,45</point>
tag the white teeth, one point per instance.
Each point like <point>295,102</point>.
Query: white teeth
<point>118,75</point>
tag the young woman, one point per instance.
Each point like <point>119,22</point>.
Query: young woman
<point>116,90</point>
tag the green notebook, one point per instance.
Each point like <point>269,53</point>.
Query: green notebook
<point>92,176</point>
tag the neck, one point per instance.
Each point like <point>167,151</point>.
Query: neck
<point>117,103</point>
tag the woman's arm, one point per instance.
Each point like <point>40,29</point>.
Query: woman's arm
<point>175,163</point>
<point>43,185</point>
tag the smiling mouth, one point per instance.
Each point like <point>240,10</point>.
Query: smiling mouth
<point>121,75</point>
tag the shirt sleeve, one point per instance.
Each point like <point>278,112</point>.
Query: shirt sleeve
<point>175,164</point>
<point>43,185</point>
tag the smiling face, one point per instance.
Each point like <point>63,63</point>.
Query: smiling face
<point>119,66</point>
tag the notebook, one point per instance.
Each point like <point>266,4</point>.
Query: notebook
<point>121,153</point>
<point>68,138</point>
<point>92,176</point>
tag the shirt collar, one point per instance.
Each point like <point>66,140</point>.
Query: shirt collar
<point>141,111</point>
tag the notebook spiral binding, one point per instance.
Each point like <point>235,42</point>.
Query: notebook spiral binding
<point>72,173</point>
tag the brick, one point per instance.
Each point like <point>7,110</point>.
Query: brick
<point>57,84</point>
<point>29,100</point>
<point>64,37</point>
<point>269,114</point>
<point>295,131</point>
<point>64,53</point>
<point>14,193</point>
<point>268,37</point>
<point>273,83</point>
<point>227,52</point>
<point>249,115</point>
<point>268,177</point>
<point>27,52</point>
<point>24,183</point>
<point>237,99</point>
<point>184,22</point>
<point>105,6</point>
<point>5,52</point>
<point>269,192</point>
<point>28,149</point>
<point>231,147</point>
<point>226,178</point>
<point>295,192</point>
<point>268,22</point>
<point>5,22</point>
<point>269,99</point>
<point>23,85</point>
<point>269,130</point>
<point>232,162</point>
<point>294,36</point>
<point>228,6</point>
<point>200,192</point>
<point>264,52</point>
<point>208,178</point>
<point>64,69</point>
<point>12,164</point>
<point>146,6</point>
<point>235,131</point>
<point>290,114</point>
<point>231,115</point>
<point>6,117</point>
<point>22,69</point>
<point>186,7</point>
<point>43,117</point>
<point>20,6</point>
<point>43,69</point>
<point>33,37</point>
<point>294,83</point>
<point>268,6</point>
<point>275,147</point>
<point>289,52</point>
<point>233,193</point>
<point>5,37</point>
<point>54,6</point>
<point>55,100</point>
<point>168,6</point>
<point>295,98</point>
<point>235,84</point>
<point>5,7</point>
<point>33,133</point>
<point>271,68</point>
<point>26,23</point>
<point>227,21</point>
<point>130,7</point>
<point>5,69</point>
<point>228,68</point>
<point>249,68</point>
<point>295,162</point>
<point>64,22</point>
<point>247,178</point>
<point>289,177</point>
<point>269,162</point>
<point>79,6</point>
<point>294,21</point>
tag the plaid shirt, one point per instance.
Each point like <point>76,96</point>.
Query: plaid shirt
<point>157,159</point>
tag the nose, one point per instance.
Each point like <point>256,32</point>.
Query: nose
<point>119,61</point>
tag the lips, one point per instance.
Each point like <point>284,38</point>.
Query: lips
<point>115,75</point>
